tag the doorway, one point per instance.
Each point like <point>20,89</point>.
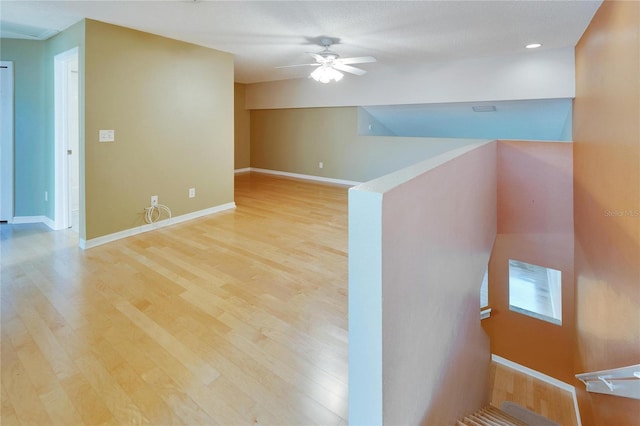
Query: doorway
<point>6,141</point>
<point>67,145</point>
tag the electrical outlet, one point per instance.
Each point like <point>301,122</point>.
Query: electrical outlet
<point>192,192</point>
<point>154,200</point>
<point>46,195</point>
<point>320,165</point>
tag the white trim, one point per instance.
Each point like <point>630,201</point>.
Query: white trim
<point>541,376</point>
<point>61,181</point>
<point>244,170</point>
<point>621,381</point>
<point>306,177</point>
<point>50,223</point>
<point>485,313</point>
<point>20,220</point>
<point>7,157</point>
<point>94,242</point>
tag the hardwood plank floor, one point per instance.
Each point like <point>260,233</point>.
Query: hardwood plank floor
<point>534,394</point>
<point>234,318</point>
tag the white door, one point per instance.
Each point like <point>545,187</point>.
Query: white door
<point>6,141</point>
<point>67,125</point>
<point>73,130</point>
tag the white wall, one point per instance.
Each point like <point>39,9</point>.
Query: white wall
<point>365,307</point>
<point>544,74</point>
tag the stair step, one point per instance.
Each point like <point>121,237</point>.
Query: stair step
<point>483,421</point>
<point>471,422</point>
<point>496,418</point>
<point>490,416</point>
<point>505,416</point>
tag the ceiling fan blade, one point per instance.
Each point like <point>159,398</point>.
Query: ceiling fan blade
<point>299,65</point>
<point>321,59</point>
<point>357,60</point>
<point>348,68</point>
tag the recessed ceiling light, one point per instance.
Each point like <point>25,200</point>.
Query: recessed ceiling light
<point>533,45</point>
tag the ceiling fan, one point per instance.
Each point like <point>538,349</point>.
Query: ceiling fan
<point>329,64</point>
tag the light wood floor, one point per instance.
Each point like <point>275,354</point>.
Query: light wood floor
<point>235,318</point>
<point>553,403</point>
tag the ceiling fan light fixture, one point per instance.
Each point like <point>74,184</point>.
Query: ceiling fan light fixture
<point>330,66</point>
<point>326,74</point>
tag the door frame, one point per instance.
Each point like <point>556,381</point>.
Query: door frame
<point>62,212</point>
<point>7,157</point>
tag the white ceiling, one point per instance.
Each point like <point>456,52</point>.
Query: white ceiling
<point>265,34</point>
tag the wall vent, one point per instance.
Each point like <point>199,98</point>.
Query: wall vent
<point>484,108</point>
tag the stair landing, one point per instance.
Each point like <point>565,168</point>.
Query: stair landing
<point>531,393</point>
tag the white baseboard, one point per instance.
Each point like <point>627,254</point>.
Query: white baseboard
<point>50,223</point>
<point>94,242</point>
<point>306,177</point>
<point>244,170</point>
<point>543,377</point>
<point>18,220</point>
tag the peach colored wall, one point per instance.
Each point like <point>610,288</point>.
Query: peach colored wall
<point>535,225</point>
<point>432,226</point>
<point>438,230</point>
<point>534,187</point>
<point>607,204</point>
<point>528,341</point>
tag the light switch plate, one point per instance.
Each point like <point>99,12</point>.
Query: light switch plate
<point>107,136</point>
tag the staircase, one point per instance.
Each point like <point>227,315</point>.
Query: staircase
<point>490,416</point>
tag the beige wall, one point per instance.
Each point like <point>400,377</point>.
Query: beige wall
<point>607,204</point>
<point>296,140</point>
<point>242,127</point>
<point>171,106</point>
<point>535,225</point>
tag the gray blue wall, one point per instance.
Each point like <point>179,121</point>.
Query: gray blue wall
<point>34,166</point>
